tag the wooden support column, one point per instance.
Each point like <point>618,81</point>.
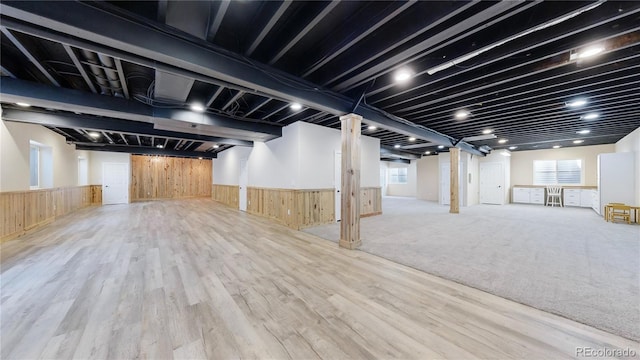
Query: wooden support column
<point>454,202</point>
<point>350,187</point>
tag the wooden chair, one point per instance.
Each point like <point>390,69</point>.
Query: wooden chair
<point>554,195</point>
<point>619,211</point>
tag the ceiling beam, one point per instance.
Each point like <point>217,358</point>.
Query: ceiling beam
<point>267,28</point>
<point>302,33</point>
<point>258,106</point>
<point>217,20</point>
<point>214,96</point>
<point>122,77</point>
<point>28,55</point>
<point>110,32</point>
<point>73,121</point>
<point>144,150</point>
<point>233,99</point>
<point>6,72</point>
<point>83,72</point>
<point>367,29</point>
<point>14,90</point>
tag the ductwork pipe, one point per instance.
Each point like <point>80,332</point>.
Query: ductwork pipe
<point>112,74</point>
<point>97,71</point>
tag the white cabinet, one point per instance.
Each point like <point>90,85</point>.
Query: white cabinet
<point>537,196</point>
<point>595,201</point>
<point>578,197</point>
<point>571,197</point>
<point>521,195</point>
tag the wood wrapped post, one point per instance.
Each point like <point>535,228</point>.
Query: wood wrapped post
<point>454,206</point>
<point>350,187</point>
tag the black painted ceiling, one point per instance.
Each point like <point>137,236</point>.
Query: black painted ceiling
<point>511,66</point>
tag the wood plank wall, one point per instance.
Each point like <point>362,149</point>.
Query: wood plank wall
<point>299,209</point>
<point>226,194</point>
<point>370,201</point>
<point>161,177</point>
<point>26,210</point>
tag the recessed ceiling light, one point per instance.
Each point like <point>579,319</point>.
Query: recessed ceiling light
<point>594,50</point>
<point>502,141</point>
<point>412,139</point>
<point>512,147</point>
<point>216,146</point>
<point>402,75</point>
<point>578,141</point>
<point>372,127</point>
<point>296,106</point>
<point>197,107</point>
<point>487,131</point>
<point>23,104</point>
<point>583,132</point>
<point>94,134</point>
<point>462,114</point>
<point>440,146</point>
<point>199,157</point>
<point>577,103</point>
<point>556,146</point>
<point>159,146</point>
<point>427,152</point>
<point>591,116</point>
<point>396,146</point>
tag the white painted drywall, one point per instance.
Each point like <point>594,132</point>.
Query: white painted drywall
<point>427,178</point>
<point>303,158</point>
<point>410,188</point>
<point>522,161</point>
<point>97,158</point>
<point>14,156</point>
<point>631,143</point>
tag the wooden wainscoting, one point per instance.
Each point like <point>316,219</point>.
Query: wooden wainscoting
<point>226,194</point>
<point>303,208</point>
<point>370,201</point>
<point>26,210</point>
<point>161,177</point>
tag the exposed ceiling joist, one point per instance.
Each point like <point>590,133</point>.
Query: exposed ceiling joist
<point>144,150</point>
<point>72,121</point>
<point>95,25</point>
<point>28,55</point>
<point>44,96</point>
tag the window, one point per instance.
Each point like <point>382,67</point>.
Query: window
<point>557,172</point>
<point>40,166</point>
<point>34,166</point>
<point>398,175</point>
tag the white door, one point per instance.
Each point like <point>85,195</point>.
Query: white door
<point>242,182</point>
<point>115,183</point>
<point>491,183</point>
<point>337,184</point>
<point>445,184</point>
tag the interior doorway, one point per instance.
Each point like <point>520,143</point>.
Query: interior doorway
<point>115,183</point>
<point>491,183</point>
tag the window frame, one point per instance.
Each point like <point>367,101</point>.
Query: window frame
<point>35,146</point>
<point>556,172</point>
<point>393,175</point>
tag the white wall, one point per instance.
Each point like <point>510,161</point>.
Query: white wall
<point>14,156</point>
<point>472,178</point>
<point>97,158</point>
<point>631,143</point>
<point>427,172</point>
<point>303,158</point>
<point>411,187</point>
<point>522,162</point>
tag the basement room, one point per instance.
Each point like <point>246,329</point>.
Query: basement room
<point>319,179</point>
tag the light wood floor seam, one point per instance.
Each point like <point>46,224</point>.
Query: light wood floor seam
<point>192,279</point>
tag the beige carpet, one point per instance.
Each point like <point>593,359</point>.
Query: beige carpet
<point>567,261</point>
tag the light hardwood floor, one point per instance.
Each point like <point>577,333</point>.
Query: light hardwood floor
<point>193,279</point>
